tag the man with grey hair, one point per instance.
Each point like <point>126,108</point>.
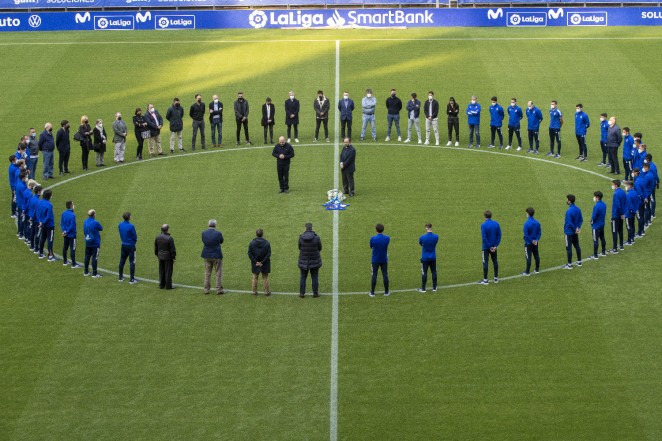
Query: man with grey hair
<point>47,147</point>
<point>259,252</point>
<point>211,252</point>
<point>119,138</point>
<point>164,249</point>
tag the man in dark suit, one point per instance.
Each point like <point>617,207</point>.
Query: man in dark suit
<point>321,106</point>
<point>211,252</point>
<point>268,110</point>
<point>310,260</point>
<point>292,117</point>
<point>164,249</point>
<point>346,107</point>
<point>216,120</point>
<point>241,110</point>
<point>347,167</point>
<point>154,122</point>
<point>283,152</point>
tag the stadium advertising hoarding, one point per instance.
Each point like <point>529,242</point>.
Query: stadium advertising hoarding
<point>327,18</point>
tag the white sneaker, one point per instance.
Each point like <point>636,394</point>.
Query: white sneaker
<point>457,143</point>
<point>421,290</point>
<point>399,138</point>
<point>388,138</point>
<point>288,139</point>
<point>420,141</point>
<point>519,148</point>
<point>296,139</point>
<point>436,143</point>
<point>448,144</point>
<point>507,147</point>
<point>427,142</point>
<point>407,140</point>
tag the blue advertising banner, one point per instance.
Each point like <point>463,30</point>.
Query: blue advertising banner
<point>328,18</point>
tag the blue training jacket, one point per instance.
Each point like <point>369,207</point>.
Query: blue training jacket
<point>68,223</point>
<point>428,242</point>
<point>619,204</point>
<point>128,233</point>
<point>598,216</point>
<point>32,206</point>
<point>555,117</point>
<point>379,244</point>
<point>45,213</point>
<point>491,232</point>
<point>640,187</point>
<point>582,123</point>
<point>633,203</point>
<point>11,171</point>
<point>628,148</point>
<point>532,231</point>
<point>604,129</point>
<point>92,229</point>
<point>638,159</point>
<point>473,114</point>
<point>515,115</point>
<point>496,115</point>
<point>534,117</point>
<point>19,189</point>
<point>573,220</point>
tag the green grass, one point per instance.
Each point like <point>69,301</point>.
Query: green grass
<point>564,355</point>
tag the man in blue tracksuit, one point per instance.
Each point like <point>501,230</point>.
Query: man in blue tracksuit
<point>632,210</point>
<point>496,122</point>
<point>68,227</point>
<point>640,189</point>
<point>650,183</point>
<point>428,243</point>
<point>604,129</point>
<point>92,230</point>
<point>638,153</point>
<point>34,223</point>
<point>473,118</point>
<point>534,118</point>
<point>379,245</point>
<point>532,233</point>
<point>656,177</point>
<point>598,224</point>
<point>129,237</point>
<point>628,150</point>
<point>571,228</point>
<point>582,123</point>
<point>555,123</point>
<point>46,221</point>
<point>19,188</point>
<point>491,235</point>
<point>11,171</point>
<point>515,115</point>
<point>618,209</point>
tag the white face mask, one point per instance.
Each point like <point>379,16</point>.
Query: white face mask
<point>473,101</point>
<point>513,104</point>
<point>345,96</point>
<point>291,97</point>
<point>368,95</point>
<point>640,150</point>
<point>613,187</point>
<point>216,101</point>
<point>430,97</point>
<point>151,110</point>
<point>595,199</point>
<point>624,134</point>
<point>552,107</point>
<point>578,110</point>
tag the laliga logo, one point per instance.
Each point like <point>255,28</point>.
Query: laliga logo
<point>82,18</point>
<point>163,22</point>
<point>102,23</point>
<point>257,19</point>
<point>34,21</point>
<point>493,15</point>
<point>575,19</point>
<point>515,19</point>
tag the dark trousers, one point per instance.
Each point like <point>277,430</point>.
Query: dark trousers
<point>432,265</point>
<point>63,160</point>
<point>46,236</point>
<point>13,202</point>
<point>454,124</point>
<point>653,202</point>
<point>617,232</point>
<point>85,154</point>
<point>91,254</point>
<point>348,182</point>
<point>627,167</point>
<point>581,142</point>
<point>514,130</point>
<point>325,121</point>
<point>533,137</point>
<point>605,152</point>
<point>613,160</point>
<point>269,128</point>
<point>572,240</point>
<point>474,128</point>
<point>128,252</point>
<point>531,250</point>
<point>314,276</point>
<point>165,273</point>
<point>20,222</point>
<point>141,142</point>
<point>629,225</point>
<point>599,235</point>
<point>641,218</point>
<point>34,234</point>
<point>487,254</point>
<point>344,125</point>
<point>555,135</point>
<point>69,245</point>
<point>496,130</point>
<point>296,131</point>
<point>283,169</point>
<point>201,125</point>
<point>647,211</point>
<point>375,268</point>
<point>245,124</point>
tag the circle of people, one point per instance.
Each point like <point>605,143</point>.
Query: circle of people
<point>632,209</point>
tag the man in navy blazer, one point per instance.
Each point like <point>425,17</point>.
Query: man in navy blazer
<point>346,107</point>
<point>211,252</point>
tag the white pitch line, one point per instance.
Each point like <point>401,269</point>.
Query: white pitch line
<point>333,393</point>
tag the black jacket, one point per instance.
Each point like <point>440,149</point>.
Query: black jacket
<point>152,125</point>
<point>291,108</point>
<point>62,140</point>
<point>175,115</point>
<point>272,111</point>
<point>164,247</point>
<point>614,137</point>
<point>310,246</point>
<point>452,110</point>
<point>435,108</point>
<point>241,109</point>
<point>259,250</point>
<point>347,157</point>
<point>286,150</point>
<point>197,111</point>
<point>394,105</point>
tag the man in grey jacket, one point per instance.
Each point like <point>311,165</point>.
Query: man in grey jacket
<point>175,115</point>
<point>119,138</point>
<point>368,104</point>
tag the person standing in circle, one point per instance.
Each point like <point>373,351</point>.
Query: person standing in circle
<point>428,243</point>
<point>310,260</point>
<point>213,255</point>
<point>348,167</point>
<point>491,233</point>
<point>283,152</point>
<point>259,253</point>
<point>292,107</point>
<point>532,233</point>
<point>165,251</point>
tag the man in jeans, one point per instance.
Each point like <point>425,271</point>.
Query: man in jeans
<point>211,252</point>
<point>368,105</point>
<point>197,114</point>
<point>413,114</point>
<point>216,121</point>
<point>393,106</point>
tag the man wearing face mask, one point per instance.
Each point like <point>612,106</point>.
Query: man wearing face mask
<point>638,153</point>
<point>614,140</point>
<point>571,228</point>
<point>216,121</point>
<point>628,150</point>
<point>346,107</point>
<point>322,106</point>
<point>369,104</point>
<point>348,167</point>
<point>241,111</point>
<point>632,210</point>
<point>618,210</point>
<point>47,147</point>
<point>496,122</point>
<point>431,111</point>
<point>533,118</point>
<point>413,114</point>
<point>119,138</point>
<point>473,114</point>
<point>292,117</point>
<point>393,106</point>
<point>197,114</point>
<point>33,152</point>
<point>555,123</point>
<point>515,115</point>
<point>582,123</point>
<point>154,124</point>
<point>175,116</point>
<point>656,181</point>
<point>598,224</point>
<point>63,147</point>
<point>604,129</point>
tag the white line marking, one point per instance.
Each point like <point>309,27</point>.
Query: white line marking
<point>333,395</point>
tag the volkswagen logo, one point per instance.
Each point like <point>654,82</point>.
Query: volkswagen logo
<point>34,21</point>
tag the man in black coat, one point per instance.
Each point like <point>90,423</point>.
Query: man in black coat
<point>259,252</point>
<point>154,122</point>
<point>348,166</point>
<point>197,114</point>
<point>322,107</point>
<point>63,145</point>
<point>164,249</point>
<point>268,111</point>
<point>283,152</point>
<point>175,115</point>
<point>614,140</point>
<point>310,259</point>
<point>292,117</point>
<point>211,252</point>
<point>241,110</point>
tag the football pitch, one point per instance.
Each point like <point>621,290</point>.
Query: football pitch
<point>562,355</point>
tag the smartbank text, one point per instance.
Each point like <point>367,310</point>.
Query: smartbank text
<point>352,18</point>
